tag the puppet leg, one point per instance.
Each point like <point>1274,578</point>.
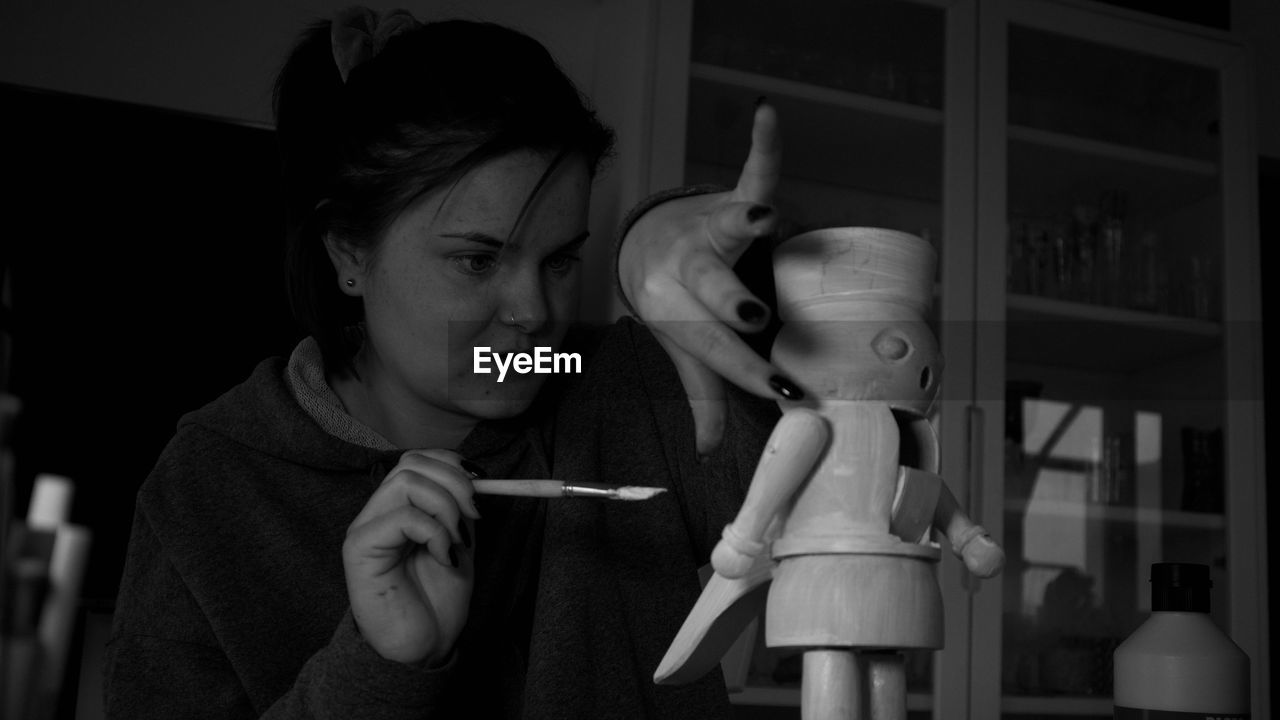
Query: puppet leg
<point>887,671</point>
<point>833,686</point>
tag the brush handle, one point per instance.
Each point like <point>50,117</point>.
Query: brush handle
<point>520,488</point>
<point>558,488</point>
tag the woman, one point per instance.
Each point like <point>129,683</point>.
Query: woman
<point>309,544</point>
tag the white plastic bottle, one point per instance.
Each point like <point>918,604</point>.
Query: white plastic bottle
<point>1179,665</point>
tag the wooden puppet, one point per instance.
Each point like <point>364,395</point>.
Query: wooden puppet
<point>833,537</point>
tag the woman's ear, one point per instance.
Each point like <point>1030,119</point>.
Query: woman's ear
<point>348,262</point>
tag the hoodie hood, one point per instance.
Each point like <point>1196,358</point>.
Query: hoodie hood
<point>286,410</point>
<point>262,414</point>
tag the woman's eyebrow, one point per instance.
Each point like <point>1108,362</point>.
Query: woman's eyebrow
<point>483,239</point>
<point>477,237</point>
<point>577,241</point>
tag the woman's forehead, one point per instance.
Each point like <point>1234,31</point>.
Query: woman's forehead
<point>502,195</point>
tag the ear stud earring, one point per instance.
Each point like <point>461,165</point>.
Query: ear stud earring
<point>351,282</point>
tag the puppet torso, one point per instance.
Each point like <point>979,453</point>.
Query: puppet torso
<point>835,552</point>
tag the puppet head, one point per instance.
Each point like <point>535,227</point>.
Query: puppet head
<point>853,303</point>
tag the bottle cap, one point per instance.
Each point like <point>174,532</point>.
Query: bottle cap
<point>1180,587</point>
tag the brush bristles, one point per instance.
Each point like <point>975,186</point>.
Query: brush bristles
<point>635,492</point>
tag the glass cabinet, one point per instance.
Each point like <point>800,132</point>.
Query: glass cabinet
<point>1118,310</point>
<point>1085,174</point>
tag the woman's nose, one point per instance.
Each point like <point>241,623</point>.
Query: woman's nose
<point>525,305</point>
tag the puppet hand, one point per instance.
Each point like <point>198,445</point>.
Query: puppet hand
<point>730,562</point>
<point>734,555</point>
<point>676,270</point>
<point>981,554</point>
<point>407,559</point>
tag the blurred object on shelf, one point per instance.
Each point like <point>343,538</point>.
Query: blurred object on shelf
<point>1202,460</point>
<point>1111,472</point>
<point>10,409</point>
<point>1113,205</point>
<point>1093,255</point>
<point>1084,226</point>
<point>1200,288</point>
<point>1067,647</point>
<point>1149,288</point>
<point>43,565</point>
<point>1079,665</point>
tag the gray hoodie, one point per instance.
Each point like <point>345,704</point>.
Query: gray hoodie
<point>233,605</point>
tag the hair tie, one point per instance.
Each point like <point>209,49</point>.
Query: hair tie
<point>358,34</point>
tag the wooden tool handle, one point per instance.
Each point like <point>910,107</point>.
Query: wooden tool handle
<point>520,488</point>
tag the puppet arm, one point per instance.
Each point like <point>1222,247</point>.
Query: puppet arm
<point>798,441</point>
<point>969,541</point>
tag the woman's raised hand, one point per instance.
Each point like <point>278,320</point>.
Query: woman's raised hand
<point>408,561</point>
<point>676,269</point>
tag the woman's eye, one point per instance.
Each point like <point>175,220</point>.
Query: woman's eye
<point>562,264</point>
<point>474,263</point>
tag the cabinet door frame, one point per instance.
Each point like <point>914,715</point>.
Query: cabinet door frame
<point>959,416</point>
<point>1246,501</point>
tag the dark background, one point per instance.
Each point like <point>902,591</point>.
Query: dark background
<point>144,250</point>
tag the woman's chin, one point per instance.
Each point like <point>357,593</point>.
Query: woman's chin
<point>497,401</point>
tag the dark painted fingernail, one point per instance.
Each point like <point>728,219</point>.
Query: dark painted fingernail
<point>752,312</point>
<point>453,556</point>
<point>475,470</point>
<point>758,212</point>
<point>465,533</point>
<point>761,100</point>
<point>785,388</point>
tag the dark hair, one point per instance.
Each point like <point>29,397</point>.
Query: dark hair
<point>434,103</point>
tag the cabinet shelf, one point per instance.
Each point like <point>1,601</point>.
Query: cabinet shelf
<point>1065,166</point>
<point>1045,331</point>
<point>1108,150</point>
<point>1122,514</point>
<point>830,136</point>
<point>775,87</point>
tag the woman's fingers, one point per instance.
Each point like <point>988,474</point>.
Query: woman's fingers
<point>712,280</point>
<point>405,488</point>
<point>705,391</point>
<point>690,325</point>
<point>378,542</point>
<point>732,227</point>
<point>451,476</point>
<point>760,172</point>
<point>676,269</point>
<point>719,291</point>
<point>438,489</point>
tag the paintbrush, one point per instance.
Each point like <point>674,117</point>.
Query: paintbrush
<point>559,488</point>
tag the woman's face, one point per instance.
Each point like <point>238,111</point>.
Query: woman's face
<point>462,269</point>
